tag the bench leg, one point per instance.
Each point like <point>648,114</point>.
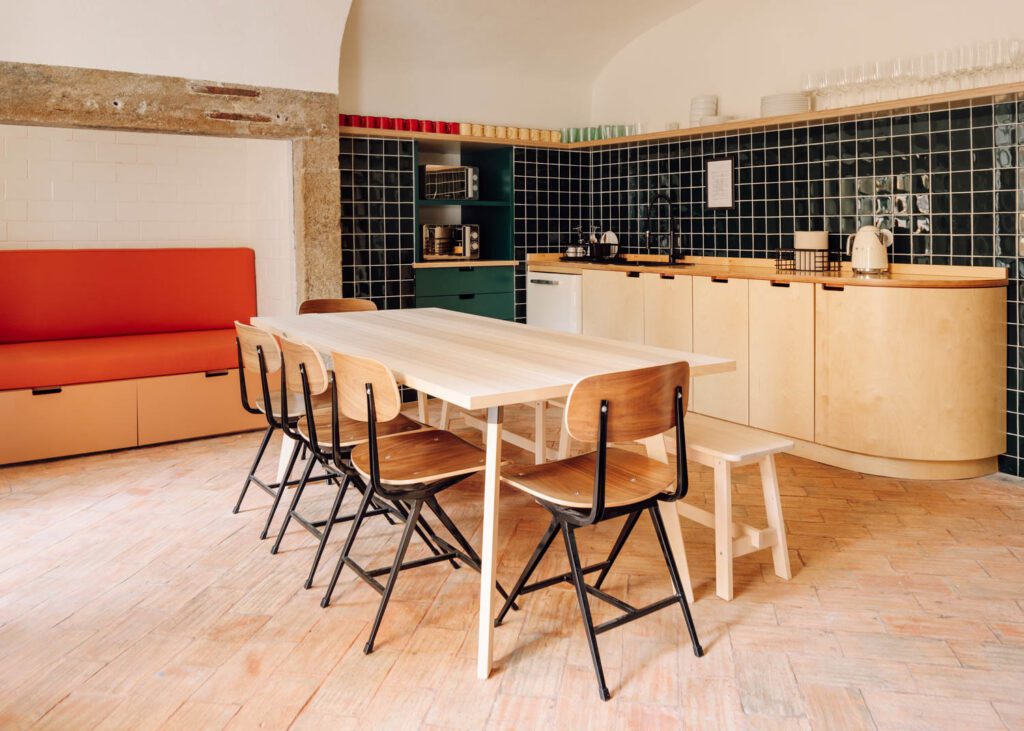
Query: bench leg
<point>656,450</point>
<point>446,416</point>
<point>540,442</point>
<point>422,409</point>
<point>723,529</point>
<point>773,509</point>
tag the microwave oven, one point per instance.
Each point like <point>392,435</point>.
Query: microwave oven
<point>459,241</point>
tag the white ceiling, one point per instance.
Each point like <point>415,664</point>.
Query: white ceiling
<point>393,50</point>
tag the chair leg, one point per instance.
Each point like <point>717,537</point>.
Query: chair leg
<point>282,486</point>
<point>255,465</point>
<point>294,504</point>
<point>531,566</point>
<point>349,540</point>
<point>627,528</point>
<point>568,533</point>
<point>335,509</point>
<point>424,531</point>
<point>723,529</point>
<point>677,584</point>
<point>410,526</point>
<point>773,509</point>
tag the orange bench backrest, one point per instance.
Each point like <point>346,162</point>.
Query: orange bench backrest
<point>59,294</point>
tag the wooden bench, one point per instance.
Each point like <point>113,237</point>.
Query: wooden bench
<point>723,447</point>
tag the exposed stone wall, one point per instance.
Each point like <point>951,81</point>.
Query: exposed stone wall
<point>72,97</point>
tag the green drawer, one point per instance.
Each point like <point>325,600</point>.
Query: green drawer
<point>466,279</point>
<point>498,305</point>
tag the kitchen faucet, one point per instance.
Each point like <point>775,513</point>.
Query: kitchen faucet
<point>673,256</point>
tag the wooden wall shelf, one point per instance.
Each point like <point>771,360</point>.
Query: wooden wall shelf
<point>912,104</point>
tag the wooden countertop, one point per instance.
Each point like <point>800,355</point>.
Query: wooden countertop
<point>451,263</point>
<point>901,275</point>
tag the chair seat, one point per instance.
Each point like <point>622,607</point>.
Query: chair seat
<point>629,478</point>
<point>297,405</point>
<point>352,432</point>
<point>422,456</point>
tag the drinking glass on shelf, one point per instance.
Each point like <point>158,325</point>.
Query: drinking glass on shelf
<point>948,65</point>
<point>837,82</point>
<point>856,78</point>
<point>985,63</point>
<point>965,67</point>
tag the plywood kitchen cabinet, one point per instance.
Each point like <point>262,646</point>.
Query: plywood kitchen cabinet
<point>782,357</point>
<point>913,374</point>
<point>668,311</point>
<point>721,328</point>
<point>613,305</point>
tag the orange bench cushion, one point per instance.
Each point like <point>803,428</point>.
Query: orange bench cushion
<point>63,294</point>
<point>87,360</point>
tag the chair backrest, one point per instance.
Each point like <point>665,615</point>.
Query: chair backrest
<point>249,338</point>
<point>310,307</point>
<point>641,402</point>
<point>296,355</point>
<point>351,374</point>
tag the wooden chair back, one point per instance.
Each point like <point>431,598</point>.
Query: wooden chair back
<point>249,339</point>
<point>351,374</point>
<point>310,307</point>
<point>295,355</point>
<point>641,403</point>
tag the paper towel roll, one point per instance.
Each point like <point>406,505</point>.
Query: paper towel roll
<point>811,240</point>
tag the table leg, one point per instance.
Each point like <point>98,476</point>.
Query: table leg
<point>669,516</point>
<point>488,560</point>
<point>287,444</point>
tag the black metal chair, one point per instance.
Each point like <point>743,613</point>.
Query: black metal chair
<point>407,469</point>
<point>611,483</point>
<point>259,353</point>
<point>329,440</point>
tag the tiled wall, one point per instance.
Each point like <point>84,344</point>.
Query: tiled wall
<point>378,220</point>
<point>65,188</point>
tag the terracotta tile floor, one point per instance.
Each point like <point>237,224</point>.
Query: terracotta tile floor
<point>131,597</point>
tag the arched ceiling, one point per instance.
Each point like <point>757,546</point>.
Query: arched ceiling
<point>521,61</point>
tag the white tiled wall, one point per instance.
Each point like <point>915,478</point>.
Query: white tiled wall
<point>73,188</point>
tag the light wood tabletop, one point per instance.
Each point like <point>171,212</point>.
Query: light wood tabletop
<point>482,363</point>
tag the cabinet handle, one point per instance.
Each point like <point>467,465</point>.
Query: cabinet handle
<point>46,390</point>
<point>466,296</point>
<point>720,280</point>
<point>668,276</point>
<point>552,282</point>
<point>215,374</point>
<point>780,284</point>
<point>467,269</point>
<point>833,287</point>
<point>632,274</point>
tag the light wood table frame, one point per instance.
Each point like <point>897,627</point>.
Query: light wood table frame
<point>481,363</point>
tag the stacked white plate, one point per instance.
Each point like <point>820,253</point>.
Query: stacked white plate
<point>777,105</point>
<point>702,106</point>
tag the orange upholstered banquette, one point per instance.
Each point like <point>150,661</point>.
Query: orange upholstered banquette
<point>110,348</point>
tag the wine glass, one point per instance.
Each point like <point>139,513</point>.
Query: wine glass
<point>857,79</point>
<point>985,63</point>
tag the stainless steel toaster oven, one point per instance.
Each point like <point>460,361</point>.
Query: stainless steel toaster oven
<point>450,182</point>
<point>459,241</point>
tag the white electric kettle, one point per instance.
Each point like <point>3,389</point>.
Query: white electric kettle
<point>867,250</point>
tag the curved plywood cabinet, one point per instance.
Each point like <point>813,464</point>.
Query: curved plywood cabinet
<point>911,374</point>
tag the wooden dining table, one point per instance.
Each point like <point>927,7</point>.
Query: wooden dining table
<point>479,363</point>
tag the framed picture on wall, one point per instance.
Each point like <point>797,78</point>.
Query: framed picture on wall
<point>718,182</point>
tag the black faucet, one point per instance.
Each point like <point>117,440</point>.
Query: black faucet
<point>673,255</point>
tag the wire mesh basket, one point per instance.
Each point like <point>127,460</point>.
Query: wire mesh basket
<point>807,260</point>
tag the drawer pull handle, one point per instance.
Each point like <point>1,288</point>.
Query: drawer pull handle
<point>215,374</point>
<point>780,284</point>
<point>668,276</point>
<point>720,280</point>
<point>46,390</point>
<point>552,282</point>
<point>466,296</point>
<point>633,274</point>
<point>833,287</point>
<point>467,269</point>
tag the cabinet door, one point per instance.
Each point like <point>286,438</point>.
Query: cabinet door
<point>911,373</point>
<point>668,311</point>
<point>720,325</point>
<point>613,305</point>
<point>782,357</point>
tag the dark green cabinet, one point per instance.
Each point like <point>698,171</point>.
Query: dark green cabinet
<point>475,290</point>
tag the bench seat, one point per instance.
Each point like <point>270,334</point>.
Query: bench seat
<point>92,360</point>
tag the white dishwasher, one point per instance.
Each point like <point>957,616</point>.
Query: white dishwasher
<point>554,301</point>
